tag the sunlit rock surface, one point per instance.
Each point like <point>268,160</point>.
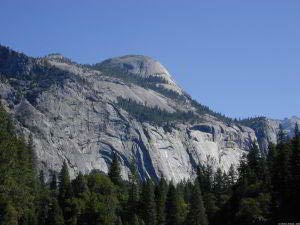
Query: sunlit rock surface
<point>71,111</point>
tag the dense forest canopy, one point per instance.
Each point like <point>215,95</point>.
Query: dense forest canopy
<point>262,190</point>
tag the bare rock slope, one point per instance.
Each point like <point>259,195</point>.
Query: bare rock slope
<point>128,105</point>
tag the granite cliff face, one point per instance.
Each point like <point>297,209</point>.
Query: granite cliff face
<point>129,105</point>
<point>266,129</point>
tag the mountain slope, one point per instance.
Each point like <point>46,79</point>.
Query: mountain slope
<point>128,105</point>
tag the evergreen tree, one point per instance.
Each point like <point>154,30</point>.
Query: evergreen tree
<point>281,136</point>
<point>231,176</point>
<point>172,207</point>
<point>160,199</point>
<point>44,203</point>
<point>211,206</point>
<point>53,181</point>
<point>182,208</point>
<point>65,188</point>
<point>133,193</point>
<point>204,177</point>
<point>44,200</point>
<point>147,204</point>
<point>250,200</point>
<point>10,215</point>
<point>79,185</point>
<point>42,179</point>
<point>271,156</point>
<point>135,220</point>
<point>219,182</point>
<point>254,163</point>
<point>65,193</point>
<point>295,169</point>
<point>101,201</point>
<point>196,215</point>
<point>18,184</point>
<point>297,131</point>
<point>55,216</point>
<point>218,198</point>
<point>119,221</point>
<point>141,222</point>
<point>114,172</point>
<point>266,190</point>
<point>283,180</point>
<point>187,191</point>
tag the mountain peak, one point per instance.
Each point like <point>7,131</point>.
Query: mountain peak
<point>141,65</point>
<point>58,58</point>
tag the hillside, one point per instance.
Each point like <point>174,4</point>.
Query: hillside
<point>130,106</point>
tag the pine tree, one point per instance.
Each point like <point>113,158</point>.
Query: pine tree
<point>231,176</point>
<point>42,179</point>
<point>65,189</point>
<point>219,182</point>
<point>65,192</point>
<point>254,163</point>
<point>18,182</point>
<point>44,203</point>
<point>141,222</point>
<point>114,172</point>
<point>295,169</point>
<point>160,199</point>
<point>10,216</point>
<point>119,221</point>
<point>217,199</point>
<point>271,156</point>
<point>147,204</point>
<point>211,205</point>
<point>55,216</point>
<point>204,177</point>
<point>187,191</point>
<point>296,155</point>
<point>133,193</point>
<point>172,208</point>
<point>79,185</point>
<point>196,215</point>
<point>53,181</point>
<point>281,136</point>
<point>101,200</point>
<point>135,220</point>
<point>283,174</point>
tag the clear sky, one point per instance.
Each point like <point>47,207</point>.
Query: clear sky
<point>241,58</point>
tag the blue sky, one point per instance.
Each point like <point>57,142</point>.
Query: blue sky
<point>241,58</point>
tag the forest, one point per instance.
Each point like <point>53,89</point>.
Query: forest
<point>263,189</point>
<point>154,115</point>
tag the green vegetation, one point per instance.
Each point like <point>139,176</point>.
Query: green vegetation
<point>17,180</point>
<point>263,190</point>
<point>148,83</point>
<point>154,115</point>
<point>115,170</point>
<point>30,76</point>
<point>151,83</point>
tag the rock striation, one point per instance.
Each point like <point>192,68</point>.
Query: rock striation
<point>73,114</point>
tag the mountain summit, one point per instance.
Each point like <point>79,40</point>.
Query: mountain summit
<point>129,106</point>
<point>142,67</point>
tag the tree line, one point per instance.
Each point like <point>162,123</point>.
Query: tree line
<point>261,190</point>
<point>154,115</point>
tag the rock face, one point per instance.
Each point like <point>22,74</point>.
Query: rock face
<point>73,114</point>
<point>266,129</point>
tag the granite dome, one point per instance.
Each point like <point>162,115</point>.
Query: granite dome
<point>75,113</point>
